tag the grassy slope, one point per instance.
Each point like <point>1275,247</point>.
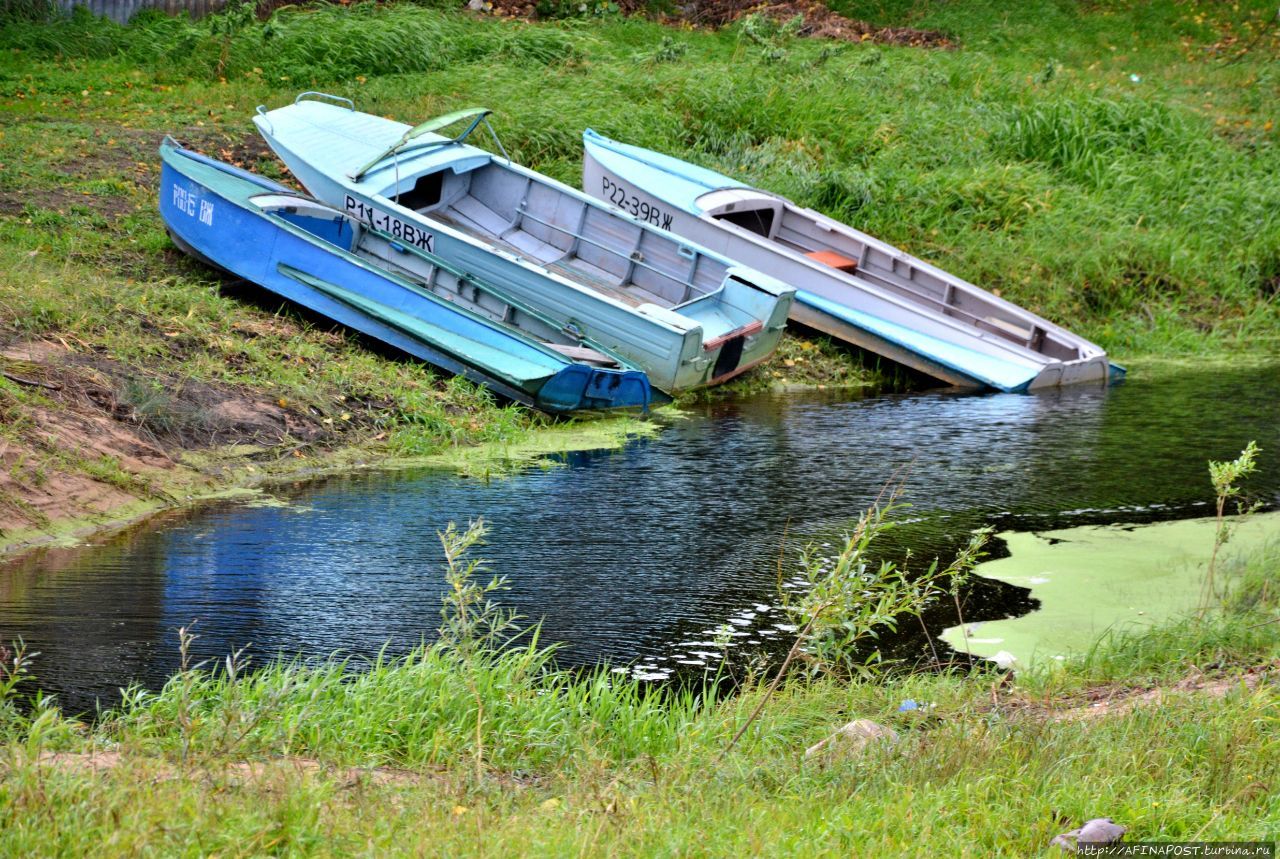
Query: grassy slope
<point>1145,214</point>
<point>1126,208</point>
<point>445,755</point>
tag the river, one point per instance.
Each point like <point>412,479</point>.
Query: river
<point>633,556</point>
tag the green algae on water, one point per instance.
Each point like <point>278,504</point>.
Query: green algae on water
<point>1095,580</point>
<point>538,446</point>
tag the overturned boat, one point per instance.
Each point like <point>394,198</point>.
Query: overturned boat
<point>849,285</point>
<point>385,287</point>
<point>685,316</point>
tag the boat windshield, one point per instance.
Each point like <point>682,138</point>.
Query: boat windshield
<point>752,210</point>
<point>323,222</point>
<point>474,117</point>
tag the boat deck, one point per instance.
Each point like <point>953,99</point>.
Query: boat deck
<point>548,256</point>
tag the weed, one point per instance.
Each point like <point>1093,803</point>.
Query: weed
<point>471,620</point>
<point>1226,478</point>
<point>148,403</point>
<point>226,24</point>
<point>576,8</point>
<point>844,601</point>
<point>15,665</point>
<point>668,50</point>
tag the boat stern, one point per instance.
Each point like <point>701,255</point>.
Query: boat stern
<point>582,388</point>
<point>742,322</point>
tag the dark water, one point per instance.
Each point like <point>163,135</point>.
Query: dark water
<point>630,555</point>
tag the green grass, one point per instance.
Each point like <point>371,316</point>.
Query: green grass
<point>500,752</point>
<point>1142,213</point>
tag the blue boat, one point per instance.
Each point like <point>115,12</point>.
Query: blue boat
<point>385,287</point>
<point>684,315</point>
<point>849,285</point>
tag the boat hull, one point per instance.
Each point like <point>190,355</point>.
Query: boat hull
<point>933,339</point>
<point>208,210</point>
<point>677,348</point>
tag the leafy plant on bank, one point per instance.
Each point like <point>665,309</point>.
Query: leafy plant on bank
<point>473,625</point>
<point>576,8</point>
<point>768,35</point>
<point>228,23</point>
<point>844,603</point>
<point>1226,478</point>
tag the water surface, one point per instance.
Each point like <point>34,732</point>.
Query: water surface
<point>626,554</point>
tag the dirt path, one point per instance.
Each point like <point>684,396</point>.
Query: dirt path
<point>1116,700</point>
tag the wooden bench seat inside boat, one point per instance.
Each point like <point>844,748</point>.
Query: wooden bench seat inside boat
<point>476,220</point>
<point>584,353</point>
<point>834,260</point>
<point>1020,334</point>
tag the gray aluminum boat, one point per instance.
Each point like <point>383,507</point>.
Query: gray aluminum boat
<point>684,315</point>
<point>849,284</point>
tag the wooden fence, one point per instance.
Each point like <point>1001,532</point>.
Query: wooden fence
<point>122,10</point>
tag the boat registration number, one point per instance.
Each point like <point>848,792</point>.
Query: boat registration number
<point>620,196</point>
<point>191,204</point>
<point>388,223</point>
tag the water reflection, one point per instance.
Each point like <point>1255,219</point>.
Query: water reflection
<point>624,554</point>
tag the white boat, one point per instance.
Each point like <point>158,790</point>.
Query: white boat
<point>684,315</point>
<point>849,285</point>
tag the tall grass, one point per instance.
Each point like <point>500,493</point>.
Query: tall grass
<point>321,43</point>
<point>1144,214</point>
<point>1089,139</point>
<point>414,711</point>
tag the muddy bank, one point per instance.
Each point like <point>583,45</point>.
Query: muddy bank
<point>88,436</point>
<point>90,443</point>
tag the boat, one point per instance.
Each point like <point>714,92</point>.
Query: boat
<point>384,287</point>
<point>687,317</point>
<point>850,285</point>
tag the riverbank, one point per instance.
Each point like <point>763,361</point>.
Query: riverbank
<point>78,463</point>
<point>1171,732</point>
<point>133,378</point>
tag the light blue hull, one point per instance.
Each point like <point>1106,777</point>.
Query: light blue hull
<point>851,285</point>
<point>303,251</point>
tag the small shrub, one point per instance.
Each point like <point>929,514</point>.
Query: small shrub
<point>1226,478</point>
<point>150,405</point>
<point>576,8</point>
<point>844,602</point>
<point>668,51</point>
